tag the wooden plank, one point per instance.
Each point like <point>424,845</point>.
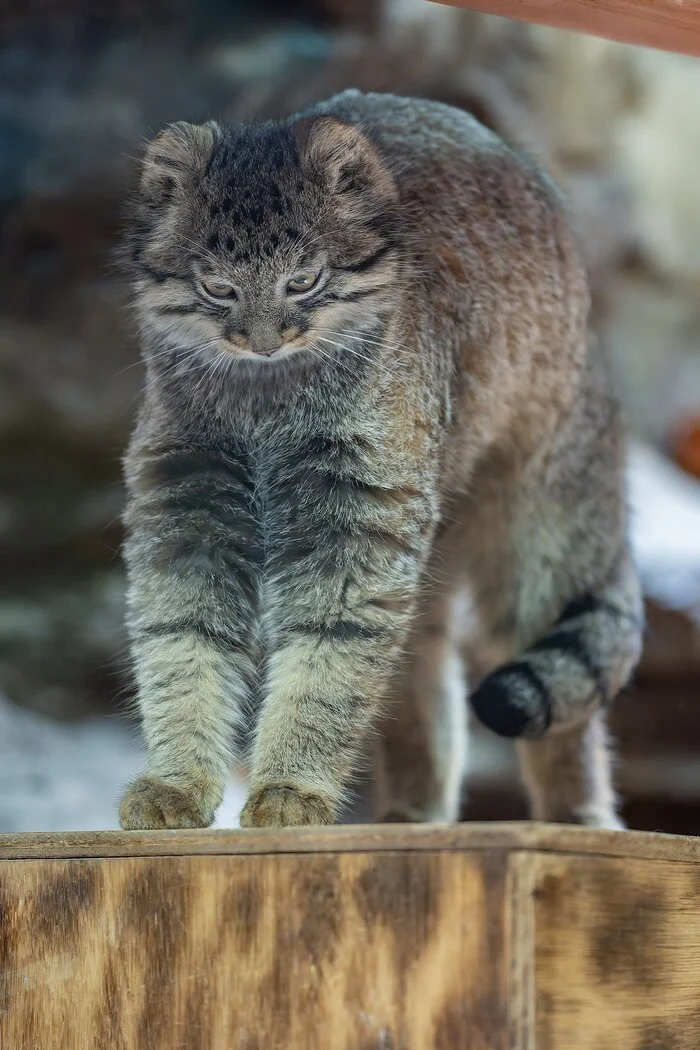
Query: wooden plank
<point>617,954</point>
<point>528,836</point>
<point>671,25</point>
<point>365,951</point>
<point>510,937</point>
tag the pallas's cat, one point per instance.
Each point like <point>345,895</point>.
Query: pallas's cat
<point>377,463</point>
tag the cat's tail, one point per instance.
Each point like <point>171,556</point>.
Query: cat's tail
<point>582,663</point>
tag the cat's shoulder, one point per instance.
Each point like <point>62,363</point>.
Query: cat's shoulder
<point>396,115</point>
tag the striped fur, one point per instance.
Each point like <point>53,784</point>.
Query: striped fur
<point>577,667</point>
<point>336,495</point>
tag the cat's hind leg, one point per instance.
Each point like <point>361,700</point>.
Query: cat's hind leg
<point>553,697</point>
<point>420,755</point>
<point>568,775</point>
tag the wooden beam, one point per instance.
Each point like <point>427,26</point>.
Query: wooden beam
<point>511,937</point>
<point>671,25</point>
<point>528,836</point>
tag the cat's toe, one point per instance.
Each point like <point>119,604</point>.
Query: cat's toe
<point>599,817</point>
<point>279,806</point>
<point>151,803</point>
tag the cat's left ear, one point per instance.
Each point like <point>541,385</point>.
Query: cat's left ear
<point>176,155</point>
<point>347,158</point>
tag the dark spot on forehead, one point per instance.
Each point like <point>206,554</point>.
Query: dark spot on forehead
<point>226,205</point>
<point>214,211</point>
<point>292,233</point>
<point>213,242</point>
<point>230,244</point>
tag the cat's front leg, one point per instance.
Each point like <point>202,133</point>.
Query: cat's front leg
<point>194,569</point>
<point>344,569</point>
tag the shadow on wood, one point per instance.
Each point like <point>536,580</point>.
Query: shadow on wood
<point>486,937</point>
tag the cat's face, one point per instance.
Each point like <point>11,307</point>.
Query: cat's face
<point>263,242</point>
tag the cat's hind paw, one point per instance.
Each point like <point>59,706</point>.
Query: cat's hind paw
<point>151,803</point>
<point>280,806</point>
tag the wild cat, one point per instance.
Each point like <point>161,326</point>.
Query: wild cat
<point>374,436</point>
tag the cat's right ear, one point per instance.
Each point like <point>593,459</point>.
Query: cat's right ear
<point>175,157</point>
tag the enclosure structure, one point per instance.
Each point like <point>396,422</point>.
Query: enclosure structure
<point>486,937</point>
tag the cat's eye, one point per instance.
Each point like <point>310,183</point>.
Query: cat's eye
<point>303,282</point>
<point>219,289</point>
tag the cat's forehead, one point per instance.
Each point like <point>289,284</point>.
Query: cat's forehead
<point>253,175</point>
<point>255,192</point>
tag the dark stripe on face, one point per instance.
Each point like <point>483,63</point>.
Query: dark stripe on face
<point>369,261</point>
<point>339,631</point>
<point>351,297</point>
<point>571,643</point>
<point>159,276</point>
<point>183,308</point>
<point>500,705</point>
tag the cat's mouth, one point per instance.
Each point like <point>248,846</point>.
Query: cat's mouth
<point>268,355</point>
<point>270,349</point>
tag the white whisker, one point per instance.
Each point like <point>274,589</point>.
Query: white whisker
<point>375,342</point>
<point>380,365</point>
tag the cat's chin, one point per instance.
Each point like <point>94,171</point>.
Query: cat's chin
<point>282,354</point>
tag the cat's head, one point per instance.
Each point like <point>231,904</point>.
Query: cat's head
<point>264,241</point>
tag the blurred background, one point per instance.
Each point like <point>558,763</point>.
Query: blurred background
<point>82,82</point>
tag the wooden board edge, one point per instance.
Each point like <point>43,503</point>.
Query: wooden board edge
<point>505,836</point>
<point>666,25</point>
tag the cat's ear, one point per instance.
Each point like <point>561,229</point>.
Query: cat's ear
<point>176,155</point>
<point>346,156</point>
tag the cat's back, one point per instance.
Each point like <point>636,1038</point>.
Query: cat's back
<point>463,187</point>
<point>418,127</point>
<point>443,149</point>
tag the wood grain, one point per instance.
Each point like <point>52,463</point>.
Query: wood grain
<point>313,952</point>
<point>486,937</point>
<point>671,25</point>
<point>503,836</point>
<point>617,945</point>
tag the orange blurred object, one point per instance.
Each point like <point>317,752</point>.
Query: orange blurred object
<point>685,446</point>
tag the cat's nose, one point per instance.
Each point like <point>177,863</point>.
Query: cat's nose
<point>264,339</point>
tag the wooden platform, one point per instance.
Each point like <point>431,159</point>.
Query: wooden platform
<point>472,937</point>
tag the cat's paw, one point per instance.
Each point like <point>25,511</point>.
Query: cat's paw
<point>279,806</point>
<point>151,803</point>
<point>599,817</point>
